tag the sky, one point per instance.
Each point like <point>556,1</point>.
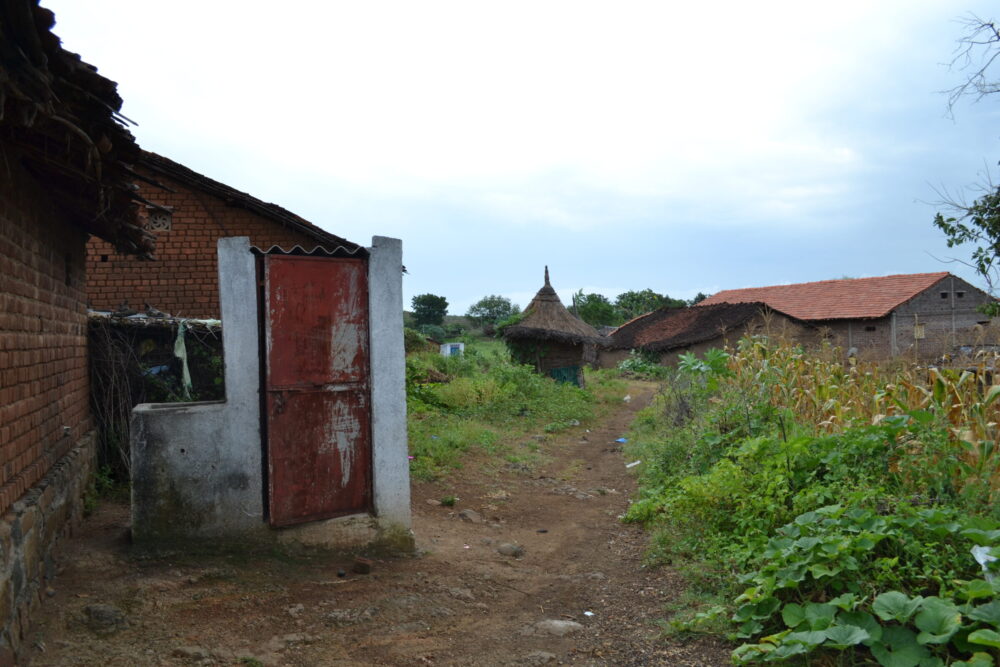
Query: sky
<point>682,147</point>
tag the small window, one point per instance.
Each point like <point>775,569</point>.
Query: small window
<point>870,328</point>
<point>918,331</point>
<point>944,295</point>
<point>960,294</point>
<point>159,220</point>
<point>104,258</point>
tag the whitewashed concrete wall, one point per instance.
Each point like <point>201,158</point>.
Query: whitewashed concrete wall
<point>198,467</point>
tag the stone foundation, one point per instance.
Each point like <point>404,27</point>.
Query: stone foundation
<point>29,534</point>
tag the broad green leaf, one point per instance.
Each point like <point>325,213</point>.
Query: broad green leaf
<point>985,638</point>
<point>820,570</point>
<point>819,616</point>
<point>899,648</point>
<point>984,538</point>
<point>785,651</point>
<point>863,620</point>
<point>748,652</point>
<point>937,620</point>
<point>806,543</point>
<point>766,607</point>
<point>845,601</point>
<point>842,636</point>
<point>810,637</point>
<point>977,588</point>
<point>895,606</point>
<point>987,613</point>
<point>793,614</point>
<point>749,629</point>
<point>977,660</point>
<point>744,612</point>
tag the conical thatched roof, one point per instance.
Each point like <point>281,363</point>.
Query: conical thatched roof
<point>546,318</point>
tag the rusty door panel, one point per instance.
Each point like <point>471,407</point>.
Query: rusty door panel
<point>319,455</point>
<point>317,310</point>
<point>317,403</point>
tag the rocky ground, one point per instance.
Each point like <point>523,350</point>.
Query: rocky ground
<point>530,566</point>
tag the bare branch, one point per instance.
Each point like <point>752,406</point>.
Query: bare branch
<point>976,53</point>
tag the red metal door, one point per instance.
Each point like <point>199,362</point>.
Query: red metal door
<point>317,403</point>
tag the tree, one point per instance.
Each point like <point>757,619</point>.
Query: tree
<point>698,298</point>
<point>595,309</point>
<point>429,309</point>
<point>633,304</point>
<point>491,309</point>
<point>977,51</point>
<point>977,223</point>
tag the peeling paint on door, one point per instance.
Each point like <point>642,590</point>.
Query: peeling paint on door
<point>318,418</point>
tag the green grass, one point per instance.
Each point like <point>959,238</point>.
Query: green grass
<point>484,402</point>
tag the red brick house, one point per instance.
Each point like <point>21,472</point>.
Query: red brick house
<point>188,213</point>
<point>924,315</point>
<point>63,176</point>
<point>670,332</point>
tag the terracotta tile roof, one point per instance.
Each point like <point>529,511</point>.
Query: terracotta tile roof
<point>671,328</point>
<point>856,298</point>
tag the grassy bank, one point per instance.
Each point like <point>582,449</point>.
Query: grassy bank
<point>483,401</point>
<point>824,513</point>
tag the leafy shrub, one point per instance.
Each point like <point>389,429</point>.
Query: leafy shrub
<point>843,499</point>
<point>643,366</point>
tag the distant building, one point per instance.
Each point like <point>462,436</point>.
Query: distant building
<point>552,339</point>
<point>669,332</point>
<point>924,315</point>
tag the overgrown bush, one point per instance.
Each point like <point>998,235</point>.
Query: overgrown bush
<point>835,506</point>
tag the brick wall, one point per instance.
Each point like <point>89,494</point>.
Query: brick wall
<point>46,447</point>
<point>183,281</point>
<point>44,390</point>
<point>947,312</point>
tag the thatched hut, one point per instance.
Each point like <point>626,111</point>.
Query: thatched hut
<point>551,339</point>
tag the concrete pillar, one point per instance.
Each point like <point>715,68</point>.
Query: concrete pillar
<point>391,469</point>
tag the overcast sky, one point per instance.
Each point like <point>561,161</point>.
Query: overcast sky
<point>682,147</point>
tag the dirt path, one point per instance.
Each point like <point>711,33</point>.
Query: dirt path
<point>461,602</point>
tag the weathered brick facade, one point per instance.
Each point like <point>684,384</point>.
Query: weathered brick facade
<point>945,316</point>
<point>183,279</point>
<point>43,343</point>
<point>46,445</point>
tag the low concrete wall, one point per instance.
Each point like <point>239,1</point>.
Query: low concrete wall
<point>198,468</point>
<point>30,533</point>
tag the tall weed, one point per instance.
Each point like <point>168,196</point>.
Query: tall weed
<point>747,452</point>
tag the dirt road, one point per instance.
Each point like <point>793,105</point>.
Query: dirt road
<point>539,572</point>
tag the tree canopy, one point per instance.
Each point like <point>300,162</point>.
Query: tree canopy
<point>635,303</point>
<point>595,309</point>
<point>429,309</point>
<point>491,309</point>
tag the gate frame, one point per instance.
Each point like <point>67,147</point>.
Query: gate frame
<point>198,468</point>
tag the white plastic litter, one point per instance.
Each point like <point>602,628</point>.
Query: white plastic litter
<point>633,464</point>
<point>588,613</point>
<point>984,558</point>
<point>628,397</point>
